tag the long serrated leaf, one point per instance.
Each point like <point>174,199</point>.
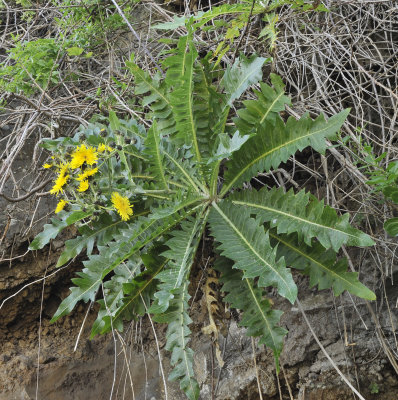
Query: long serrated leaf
<point>274,144</point>
<point>244,241</point>
<point>178,336</point>
<point>51,231</point>
<point>321,265</point>
<point>155,156</point>
<point>113,295</point>
<point>157,99</point>
<point>182,248</point>
<point>180,75</point>
<point>137,292</point>
<point>104,228</point>
<point>258,315</point>
<point>304,214</point>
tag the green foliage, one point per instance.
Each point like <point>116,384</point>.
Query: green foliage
<point>383,180</point>
<point>235,18</point>
<point>322,265</point>
<point>374,388</point>
<point>275,142</point>
<point>304,214</point>
<point>259,317</point>
<point>32,65</point>
<point>52,230</point>
<point>35,64</point>
<point>244,241</point>
<point>152,195</point>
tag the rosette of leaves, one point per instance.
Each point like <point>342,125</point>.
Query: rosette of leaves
<point>185,174</point>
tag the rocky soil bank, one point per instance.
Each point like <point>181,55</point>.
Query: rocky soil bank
<point>38,359</point>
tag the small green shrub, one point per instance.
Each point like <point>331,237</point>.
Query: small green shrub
<point>32,65</point>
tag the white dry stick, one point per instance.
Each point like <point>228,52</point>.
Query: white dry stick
<point>158,350</point>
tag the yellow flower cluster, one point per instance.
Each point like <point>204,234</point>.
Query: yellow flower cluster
<point>83,155</point>
<point>83,186</point>
<point>82,166</point>
<point>122,205</point>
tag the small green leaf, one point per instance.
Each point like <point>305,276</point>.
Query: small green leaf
<point>391,226</point>
<point>228,145</point>
<point>113,120</point>
<point>177,22</point>
<point>391,192</point>
<point>243,73</point>
<point>74,51</point>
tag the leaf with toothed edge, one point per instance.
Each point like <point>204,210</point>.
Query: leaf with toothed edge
<point>322,265</point>
<point>301,213</point>
<point>275,143</point>
<point>243,240</point>
<point>258,316</point>
<point>127,243</point>
<point>178,336</point>
<point>51,231</point>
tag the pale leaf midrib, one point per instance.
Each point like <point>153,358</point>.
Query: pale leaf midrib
<point>159,159</point>
<point>270,108</point>
<point>324,267</point>
<point>267,153</point>
<point>293,216</point>
<point>261,311</point>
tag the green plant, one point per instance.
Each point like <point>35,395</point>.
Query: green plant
<point>383,179</point>
<point>386,181</point>
<point>32,65</point>
<point>374,388</point>
<point>235,18</point>
<point>183,178</point>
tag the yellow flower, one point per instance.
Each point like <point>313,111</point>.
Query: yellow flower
<point>63,168</point>
<point>103,147</point>
<point>122,206</point>
<point>47,165</point>
<point>88,172</point>
<point>83,186</point>
<point>60,206</point>
<point>59,183</point>
<point>83,155</point>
